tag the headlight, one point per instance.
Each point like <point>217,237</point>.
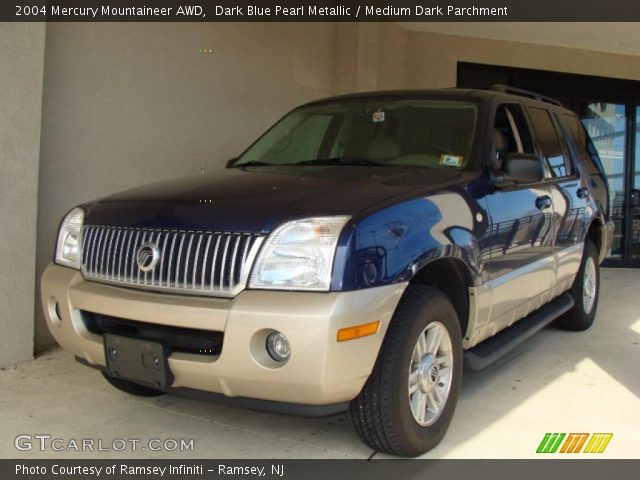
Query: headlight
<point>298,255</point>
<point>68,249</point>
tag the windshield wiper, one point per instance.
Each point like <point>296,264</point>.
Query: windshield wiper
<point>252,163</point>
<point>341,161</point>
<point>316,161</point>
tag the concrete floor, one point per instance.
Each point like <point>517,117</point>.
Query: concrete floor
<point>557,382</point>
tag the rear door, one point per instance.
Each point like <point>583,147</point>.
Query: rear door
<point>569,194</point>
<point>587,154</point>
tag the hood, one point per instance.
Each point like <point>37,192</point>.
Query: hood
<point>254,199</point>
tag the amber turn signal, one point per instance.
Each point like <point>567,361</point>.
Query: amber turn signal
<point>357,331</point>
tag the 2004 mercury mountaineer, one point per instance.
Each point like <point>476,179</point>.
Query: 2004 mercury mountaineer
<point>356,256</point>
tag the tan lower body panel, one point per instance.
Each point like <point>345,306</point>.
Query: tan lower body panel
<point>499,303</point>
<point>319,371</point>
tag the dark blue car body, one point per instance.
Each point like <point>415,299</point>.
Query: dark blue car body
<point>394,210</point>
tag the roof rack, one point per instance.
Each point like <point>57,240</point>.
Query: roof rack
<point>524,93</point>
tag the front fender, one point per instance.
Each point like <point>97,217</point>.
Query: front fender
<point>393,244</point>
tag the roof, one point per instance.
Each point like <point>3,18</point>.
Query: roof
<point>506,92</point>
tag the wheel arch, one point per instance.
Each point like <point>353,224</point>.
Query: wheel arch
<point>595,233</point>
<point>452,277</point>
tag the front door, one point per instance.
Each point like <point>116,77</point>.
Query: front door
<point>521,238</point>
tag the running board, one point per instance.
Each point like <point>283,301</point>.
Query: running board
<point>494,348</point>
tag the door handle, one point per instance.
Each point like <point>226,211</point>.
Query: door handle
<point>583,192</point>
<point>544,202</point>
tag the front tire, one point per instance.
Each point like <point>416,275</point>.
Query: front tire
<point>409,399</point>
<point>585,292</point>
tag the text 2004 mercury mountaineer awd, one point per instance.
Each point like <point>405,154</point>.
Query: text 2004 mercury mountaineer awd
<point>355,257</point>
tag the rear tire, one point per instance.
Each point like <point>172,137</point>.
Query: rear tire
<point>420,361</point>
<point>585,292</point>
<point>131,388</point>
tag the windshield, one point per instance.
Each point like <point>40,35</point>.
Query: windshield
<point>381,132</point>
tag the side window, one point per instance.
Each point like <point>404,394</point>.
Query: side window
<point>553,151</point>
<point>585,148</point>
<point>512,131</point>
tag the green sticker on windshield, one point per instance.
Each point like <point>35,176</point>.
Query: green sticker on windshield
<point>451,160</point>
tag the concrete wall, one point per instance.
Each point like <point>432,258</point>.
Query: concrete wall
<point>21,60</point>
<point>384,56</point>
<point>370,56</point>
<point>127,104</point>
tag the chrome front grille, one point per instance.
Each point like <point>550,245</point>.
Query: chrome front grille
<point>187,262</point>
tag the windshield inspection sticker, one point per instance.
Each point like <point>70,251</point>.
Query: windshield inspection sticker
<point>378,116</point>
<point>451,160</point>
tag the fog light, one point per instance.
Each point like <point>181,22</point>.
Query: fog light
<point>278,346</point>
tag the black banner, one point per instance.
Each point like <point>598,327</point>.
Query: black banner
<point>579,469</point>
<point>318,11</point>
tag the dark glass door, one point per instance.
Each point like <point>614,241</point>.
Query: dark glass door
<point>607,126</point>
<point>635,197</point>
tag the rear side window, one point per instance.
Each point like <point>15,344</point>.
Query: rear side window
<point>553,151</point>
<point>586,150</point>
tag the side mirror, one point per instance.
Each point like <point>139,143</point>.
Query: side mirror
<point>520,168</point>
<point>230,162</point>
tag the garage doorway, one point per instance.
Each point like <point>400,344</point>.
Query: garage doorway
<point>609,109</point>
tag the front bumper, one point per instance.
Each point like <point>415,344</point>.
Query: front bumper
<point>320,371</point>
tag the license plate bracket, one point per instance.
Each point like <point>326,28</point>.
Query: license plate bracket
<point>138,360</point>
